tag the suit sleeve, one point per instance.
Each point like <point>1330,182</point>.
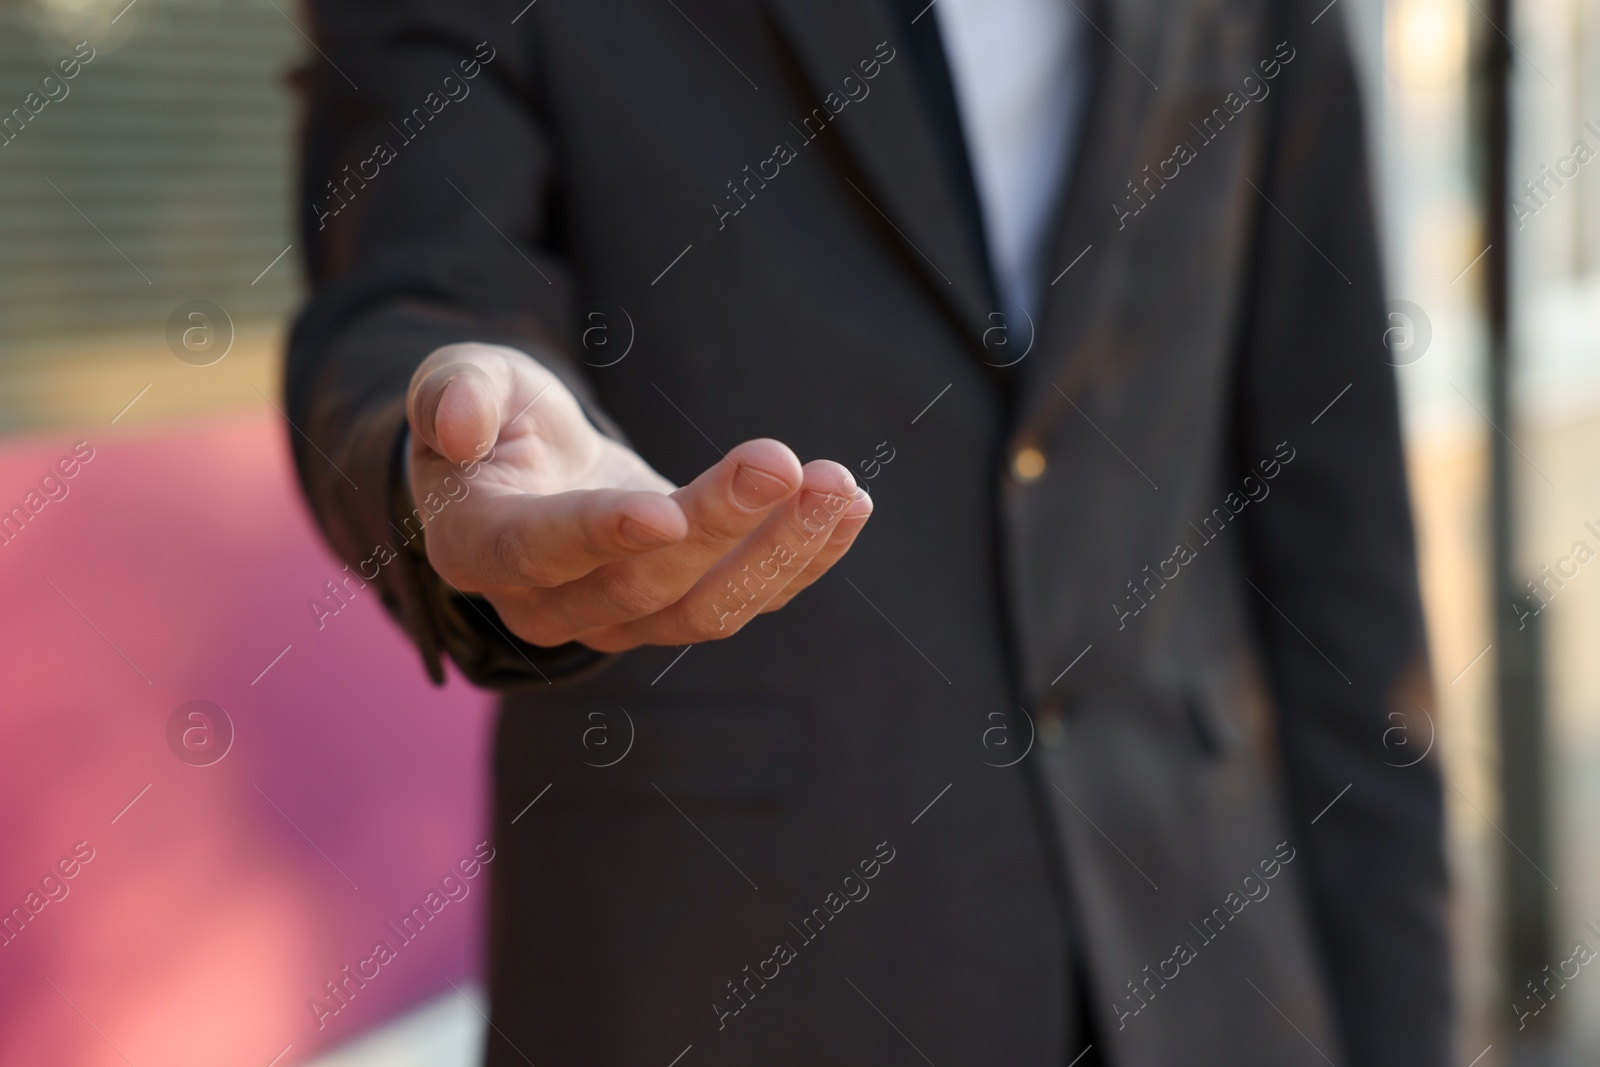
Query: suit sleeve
<point>1333,559</point>
<point>425,198</point>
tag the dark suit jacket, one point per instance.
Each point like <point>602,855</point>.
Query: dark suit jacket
<point>1120,731</point>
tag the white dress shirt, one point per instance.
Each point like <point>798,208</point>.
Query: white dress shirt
<point>1018,73</point>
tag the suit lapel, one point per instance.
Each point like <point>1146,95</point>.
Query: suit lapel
<point>1131,42</point>
<point>901,182</point>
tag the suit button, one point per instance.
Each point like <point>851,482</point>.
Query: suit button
<point>1051,731</point>
<point>1027,465</point>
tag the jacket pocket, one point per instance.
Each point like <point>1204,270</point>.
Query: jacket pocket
<point>626,752</point>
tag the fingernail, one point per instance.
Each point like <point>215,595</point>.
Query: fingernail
<point>755,488</point>
<point>841,477</point>
<point>637,535</point>
<point>860,507</point>
<point>818,509</point>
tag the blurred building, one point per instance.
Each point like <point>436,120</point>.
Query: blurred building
<point>1430,192</point>
<point>159,174</point>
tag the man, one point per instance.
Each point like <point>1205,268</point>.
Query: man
<point>1077,748</point>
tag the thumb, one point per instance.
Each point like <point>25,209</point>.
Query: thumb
<point>455,409</point>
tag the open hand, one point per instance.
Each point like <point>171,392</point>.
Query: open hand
<point>573,537</point>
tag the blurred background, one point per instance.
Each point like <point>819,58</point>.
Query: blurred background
<point>193,724</point>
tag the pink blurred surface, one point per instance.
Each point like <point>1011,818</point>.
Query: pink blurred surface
<point>208,917</point>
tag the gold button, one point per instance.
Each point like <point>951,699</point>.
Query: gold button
<point>1051,730</point>
<point>1027,465</point>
